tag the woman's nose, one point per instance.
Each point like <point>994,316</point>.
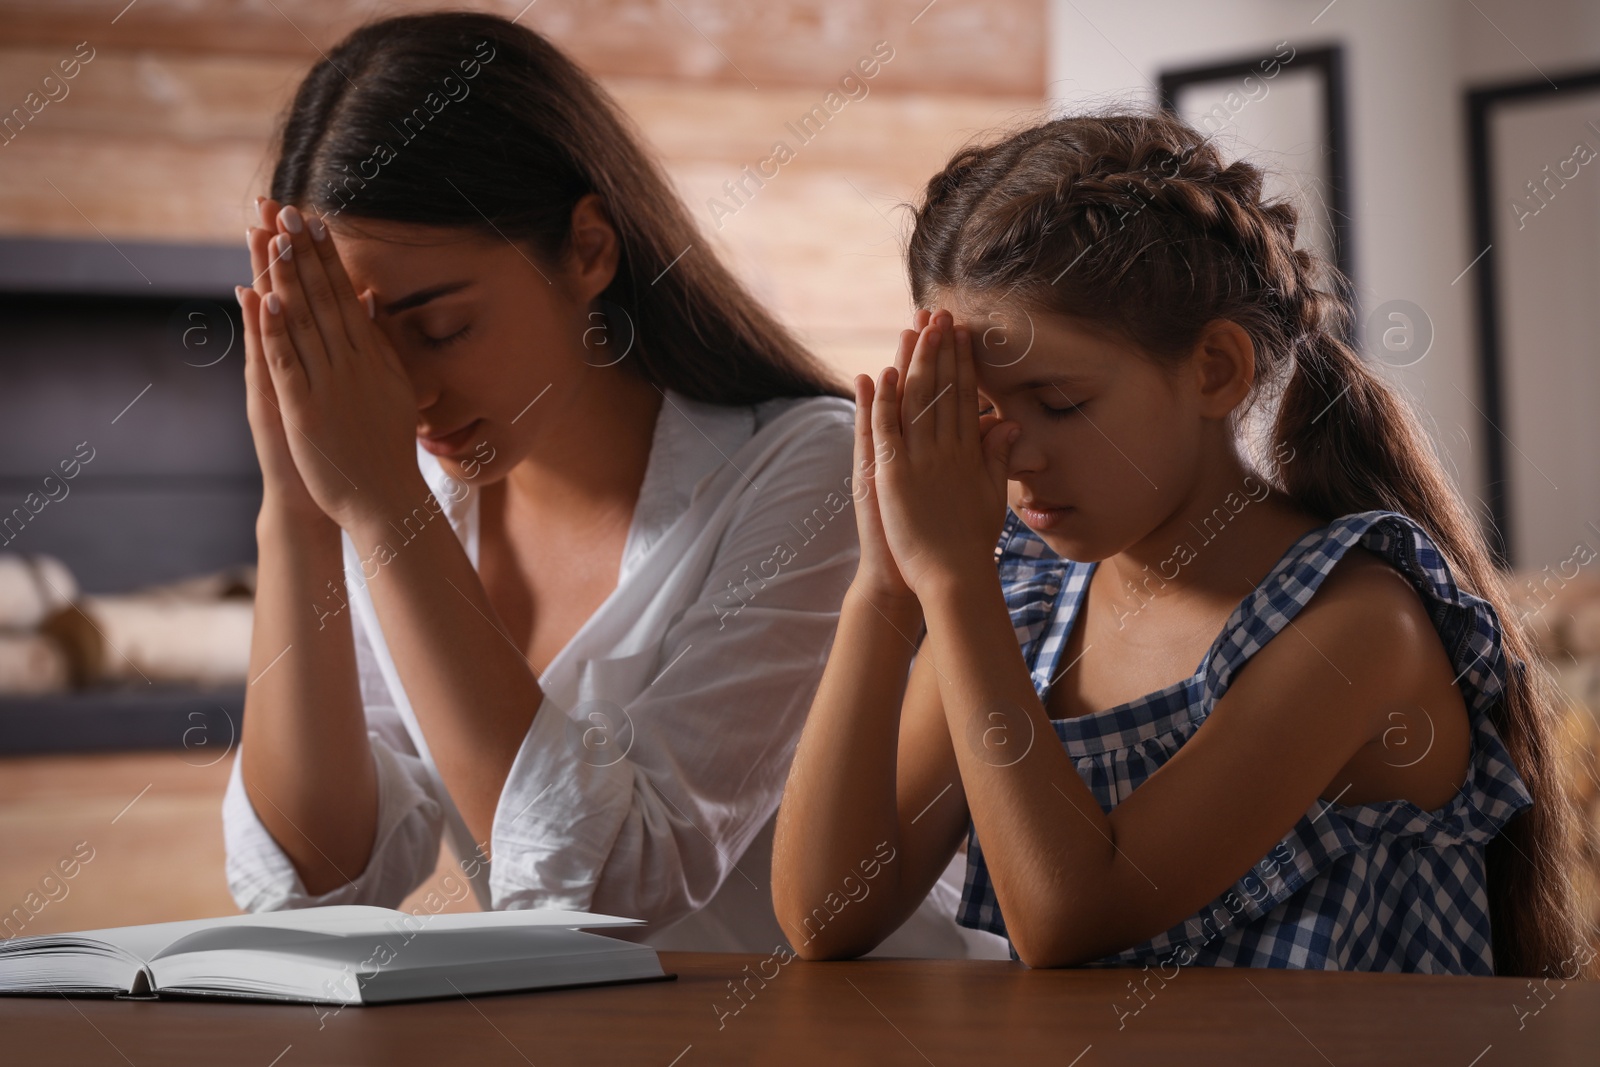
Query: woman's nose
<point>426,392</point>
<point>425,387</point>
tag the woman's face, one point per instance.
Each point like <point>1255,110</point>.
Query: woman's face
<point>491,338</point>
<point>1109,442</point>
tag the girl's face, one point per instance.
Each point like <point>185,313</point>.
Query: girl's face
<point>1109,444</point>
<point>483,331</point>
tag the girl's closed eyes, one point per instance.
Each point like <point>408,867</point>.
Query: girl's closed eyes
<point>1060,412</point>
<point>1045,406</point>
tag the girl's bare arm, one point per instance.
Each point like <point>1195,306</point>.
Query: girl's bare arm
<point>873,808</point>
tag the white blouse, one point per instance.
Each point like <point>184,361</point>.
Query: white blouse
<point>649,780</point>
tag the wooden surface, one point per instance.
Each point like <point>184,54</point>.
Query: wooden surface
<point>880,1012</point>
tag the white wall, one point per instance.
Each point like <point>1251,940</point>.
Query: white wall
<point>1407,66</point>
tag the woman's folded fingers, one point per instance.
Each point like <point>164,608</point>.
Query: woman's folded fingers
<point>290,381</point>
<point>286,305</point>
<point>257,238</point>
<point>316,289</point>
<point>357,313</point>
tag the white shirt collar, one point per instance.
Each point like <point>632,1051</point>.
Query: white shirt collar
<point>692,440</point>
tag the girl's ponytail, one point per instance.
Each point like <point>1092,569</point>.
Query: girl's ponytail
<point>1354,446</point>
<point>1133,221</point>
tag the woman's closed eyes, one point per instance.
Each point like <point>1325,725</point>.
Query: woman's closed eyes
<point>440,342</point>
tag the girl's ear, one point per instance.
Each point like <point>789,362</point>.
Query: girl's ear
<point>1224,367</point>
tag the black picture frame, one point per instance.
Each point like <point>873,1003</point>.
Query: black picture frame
<point>1327,63</point>
<point>1481,105</point>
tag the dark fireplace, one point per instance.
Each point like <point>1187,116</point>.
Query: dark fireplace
<point>125,454</point>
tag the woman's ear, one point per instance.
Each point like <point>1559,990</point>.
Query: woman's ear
<point>594,251</point>
<point>1225,367</point>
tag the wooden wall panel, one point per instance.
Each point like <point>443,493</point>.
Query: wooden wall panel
<point>822,241</point>
<point>172,146</point>
<point>210,162</point>
<point>165,95</point>
<point>117,186</point>
<point>165,132</point>
<point>900,134</point>
<point>992,47</point>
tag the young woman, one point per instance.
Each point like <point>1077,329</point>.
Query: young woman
<point>1360,773</point>
<point>552,540</point>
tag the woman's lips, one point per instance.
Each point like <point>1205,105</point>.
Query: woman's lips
<point>453,442</point>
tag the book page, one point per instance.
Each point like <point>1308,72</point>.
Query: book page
<point>149,941</point>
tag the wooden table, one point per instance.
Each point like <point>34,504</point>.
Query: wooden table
<point>879,1012</point>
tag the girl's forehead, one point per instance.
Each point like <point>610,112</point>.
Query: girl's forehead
<point>1023,350</point>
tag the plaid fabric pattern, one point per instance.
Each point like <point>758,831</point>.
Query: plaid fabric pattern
<point>1384,886</point>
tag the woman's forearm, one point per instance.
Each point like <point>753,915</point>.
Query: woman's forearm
<point>472,689</point>
<point>306,761</point>
<point>839,804</point>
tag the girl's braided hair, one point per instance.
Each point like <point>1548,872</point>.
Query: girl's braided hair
<point>1133,222</point>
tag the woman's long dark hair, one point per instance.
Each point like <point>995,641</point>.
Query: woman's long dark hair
<point>1134,221</point>
<point>469,120</point>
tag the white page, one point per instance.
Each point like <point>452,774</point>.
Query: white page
<point>145,942</point>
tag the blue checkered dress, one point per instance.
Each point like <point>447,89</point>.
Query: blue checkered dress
<point>1384,886</point>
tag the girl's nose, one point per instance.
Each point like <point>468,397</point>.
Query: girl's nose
<point>1025,457</point>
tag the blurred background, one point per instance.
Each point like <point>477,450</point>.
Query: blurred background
<point>1443,153</point>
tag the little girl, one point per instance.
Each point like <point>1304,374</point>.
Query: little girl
<point>1360,772</point>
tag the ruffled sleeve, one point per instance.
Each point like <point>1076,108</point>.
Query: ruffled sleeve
<point>1491,794</point>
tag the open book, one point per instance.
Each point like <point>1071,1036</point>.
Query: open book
<point>343,954</point>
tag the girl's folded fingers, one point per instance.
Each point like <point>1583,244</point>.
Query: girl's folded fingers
<point>863,440</point>
<point>944,379</point>
<point>966,387</point>
<point>886,415</point>
<point>917,393</point>
<point>902,355</point>
<point>908,341</point>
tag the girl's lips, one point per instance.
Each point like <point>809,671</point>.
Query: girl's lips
<point>451,443</point>
<point>1044,519</point>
